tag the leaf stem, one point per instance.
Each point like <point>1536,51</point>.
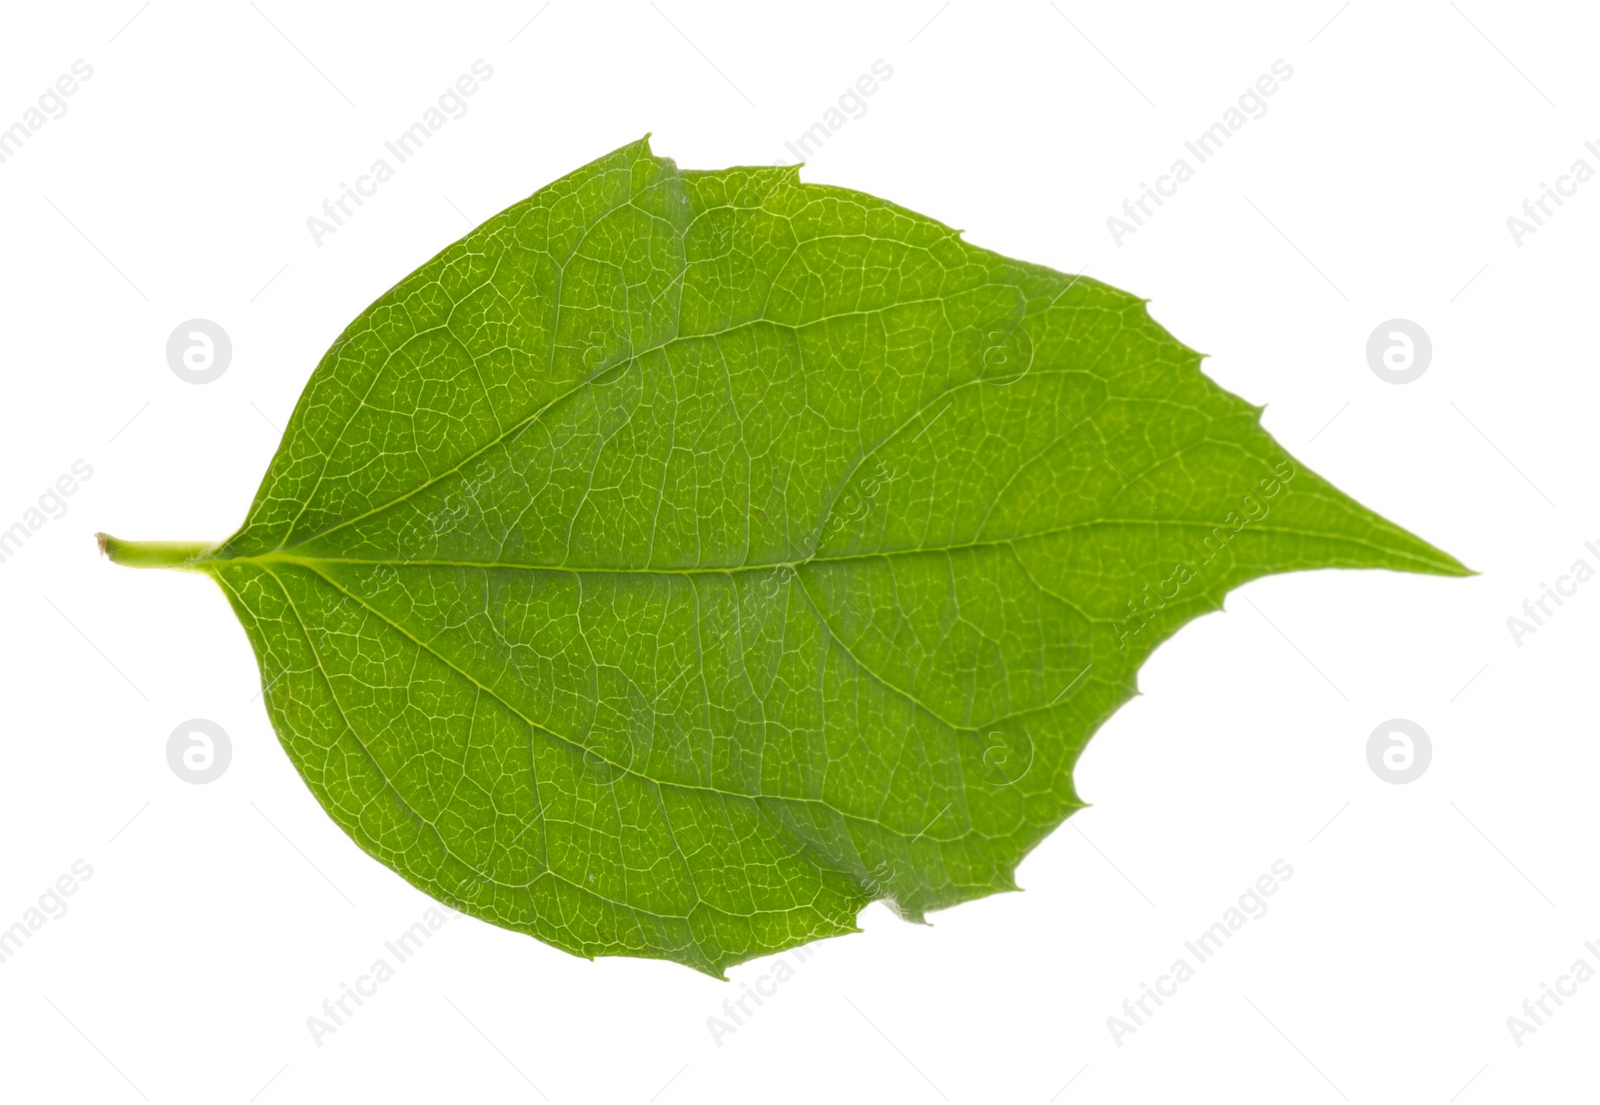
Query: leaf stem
<point>181,555</point>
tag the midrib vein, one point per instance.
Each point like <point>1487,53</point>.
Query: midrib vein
<point>312,560</point>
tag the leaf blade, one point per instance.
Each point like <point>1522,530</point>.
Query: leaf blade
<point>681,561</point>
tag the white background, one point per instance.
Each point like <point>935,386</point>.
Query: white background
<point>1419,917</point>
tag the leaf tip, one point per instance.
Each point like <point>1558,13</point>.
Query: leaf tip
<point>1447,565</point>
<point>1428,559</point>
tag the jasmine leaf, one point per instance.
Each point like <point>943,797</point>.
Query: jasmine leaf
<point>682,560</point>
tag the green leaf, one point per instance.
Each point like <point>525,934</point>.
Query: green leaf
<point>683,560</point>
